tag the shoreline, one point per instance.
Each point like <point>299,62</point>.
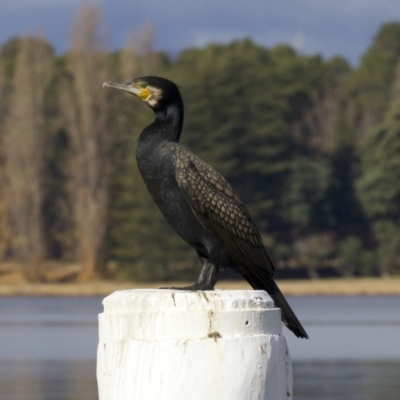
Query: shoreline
<point>322,287</point>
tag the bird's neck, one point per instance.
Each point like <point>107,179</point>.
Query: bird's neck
<point>167,125</point>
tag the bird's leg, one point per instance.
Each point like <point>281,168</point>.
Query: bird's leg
<point>208,277</point>
<point>206,281</point>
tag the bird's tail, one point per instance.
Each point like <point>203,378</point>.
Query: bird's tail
<point>288,316</point>
<point>267,283</point>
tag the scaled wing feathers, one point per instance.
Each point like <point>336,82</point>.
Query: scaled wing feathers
<point>220,211</point>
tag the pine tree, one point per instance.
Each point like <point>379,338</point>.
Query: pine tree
<point>369,86</point>
<point>379,188</point>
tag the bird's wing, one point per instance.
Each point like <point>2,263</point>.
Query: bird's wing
<point>219,209</point>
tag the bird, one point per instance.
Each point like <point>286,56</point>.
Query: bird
<point>197,201</point>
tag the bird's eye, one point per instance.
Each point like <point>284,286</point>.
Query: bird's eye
<point>143,85</point>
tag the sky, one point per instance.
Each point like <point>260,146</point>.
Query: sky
<point>328,27</point>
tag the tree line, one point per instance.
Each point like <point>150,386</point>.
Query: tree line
<point>311,145</point>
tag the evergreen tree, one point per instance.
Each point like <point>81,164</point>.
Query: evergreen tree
<point>369,86</point>
<point>379,188</point>
<point>241,100</point>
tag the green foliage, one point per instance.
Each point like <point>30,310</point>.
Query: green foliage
<point>379,187</point>
<point>387,234</point>
<point>369,85</point>
<point>388,38</point>
<point>306,193</point>
<point>338,68</point>
<point>346,213</point>
<point>242,102</point>
<point>239,110</point>
<point>380,184</point>
<point>355,260</point>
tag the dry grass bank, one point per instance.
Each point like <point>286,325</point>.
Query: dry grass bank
<point>328,287</point>
<point>343,287</point>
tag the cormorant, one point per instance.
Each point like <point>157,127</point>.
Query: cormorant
<point>197,201</point>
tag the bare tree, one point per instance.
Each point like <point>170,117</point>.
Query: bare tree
<point>3,220</point>
<point>83,103</point>
<point>138,56</point>
<point>23,146</point>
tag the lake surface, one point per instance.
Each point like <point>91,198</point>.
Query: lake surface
<point>48,348</point>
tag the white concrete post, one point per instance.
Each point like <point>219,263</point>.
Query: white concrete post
<point>181,345</point>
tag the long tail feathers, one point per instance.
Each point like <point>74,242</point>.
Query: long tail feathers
<point>289,318</point>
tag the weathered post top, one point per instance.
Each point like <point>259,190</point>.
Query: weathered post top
<point>184,345</point>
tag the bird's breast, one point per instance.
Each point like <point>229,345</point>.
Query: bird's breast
<point>158,172</point>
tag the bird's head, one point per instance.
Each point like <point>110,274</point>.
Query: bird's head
<point>156,92</point>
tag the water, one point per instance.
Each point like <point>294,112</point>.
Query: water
<point>48,348</point>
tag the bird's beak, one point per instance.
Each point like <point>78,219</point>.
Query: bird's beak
<point>128,87</point>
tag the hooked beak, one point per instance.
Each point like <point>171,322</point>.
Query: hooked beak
<point>126,87</point>
<point>143,93</point>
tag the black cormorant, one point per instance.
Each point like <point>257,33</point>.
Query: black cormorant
<point>197,201</point>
